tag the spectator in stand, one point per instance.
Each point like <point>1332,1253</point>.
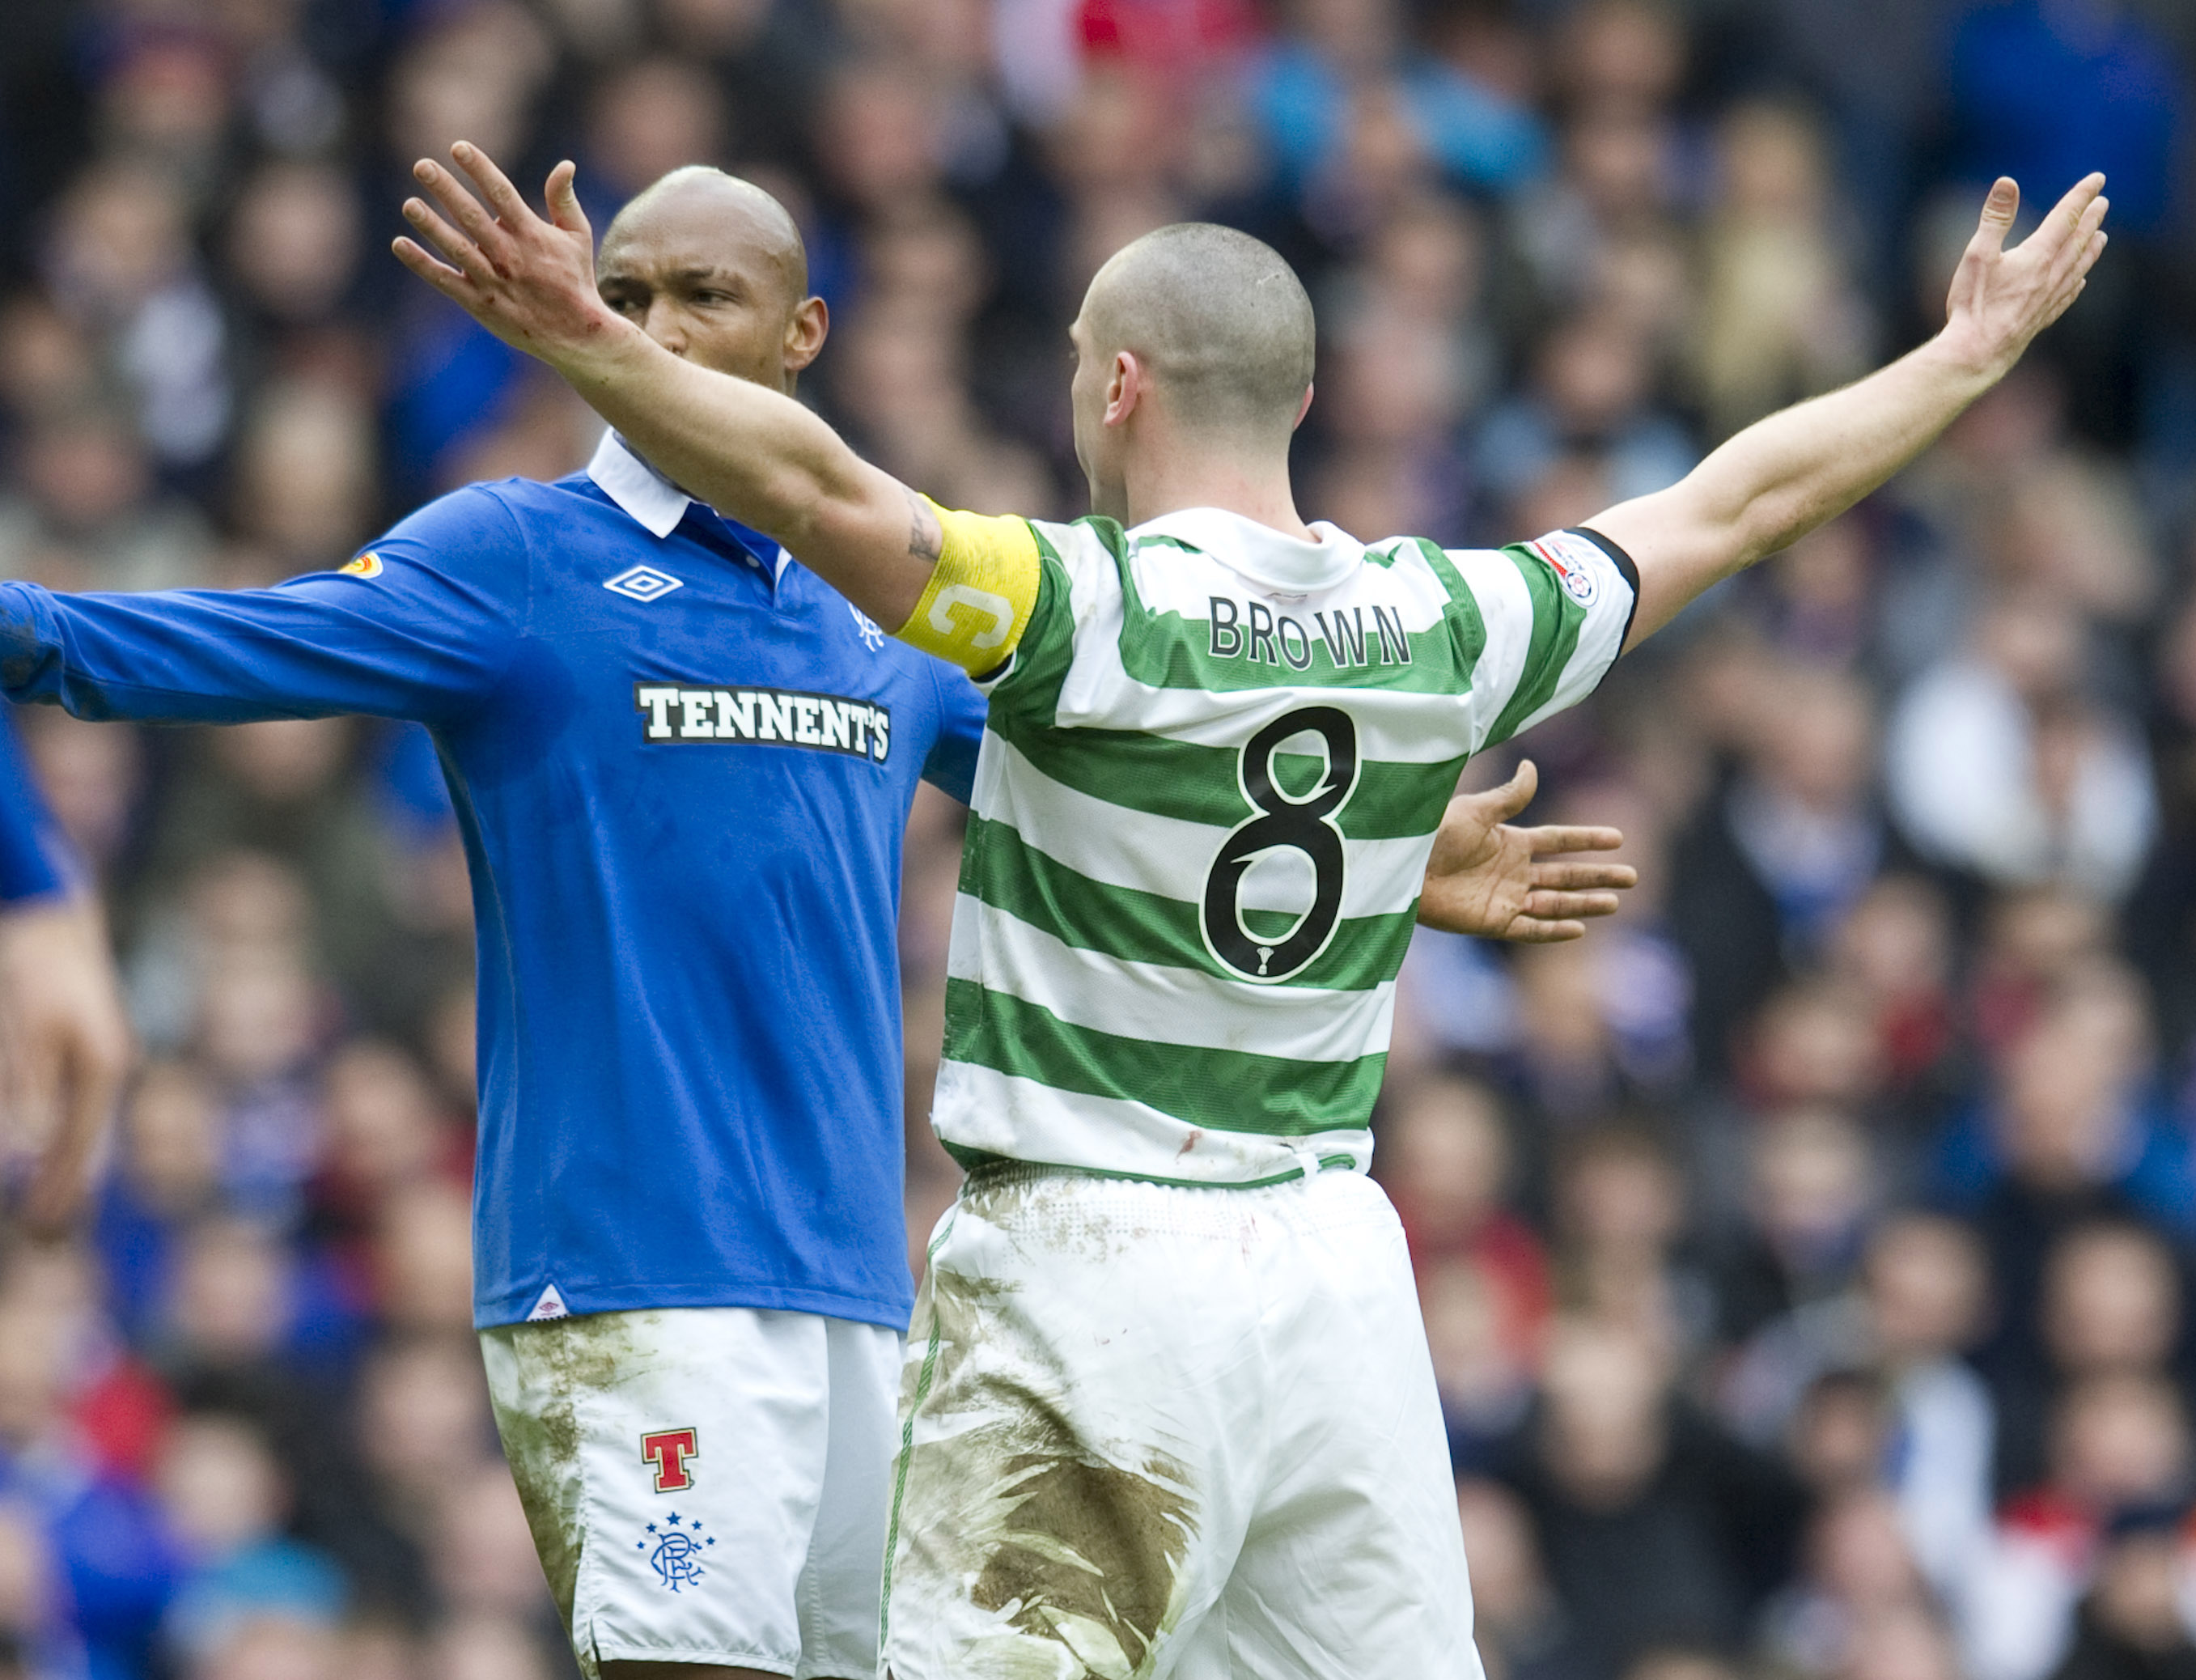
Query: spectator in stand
<point>1996,762</point>
<point>1811,1193</point>
<point>2131,1624</point>
<point>1301,91</point>
<point>1772,867</point>
<point>1658,1527</point>
<point>1483,1274</point>
<point>222,1494</point>
<point>2119,1450</point>
<point>2074,1133</point>
<point>2110,1304</point>
<point>1592,393</point>
<point>1779,318</point>
<point>1919,1305</point>
<point>1859,1573</point>
<point>1518,1621</point>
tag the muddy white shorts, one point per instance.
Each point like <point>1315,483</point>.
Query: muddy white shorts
<point>705,1485</point>
<point>1160,1431</point>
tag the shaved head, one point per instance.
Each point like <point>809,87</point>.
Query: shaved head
<point>1218,319</point>
<point>712,266</point>
<point>696,198</point>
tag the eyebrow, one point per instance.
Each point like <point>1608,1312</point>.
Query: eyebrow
<point>699,271</point>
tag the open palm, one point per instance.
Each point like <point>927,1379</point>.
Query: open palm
<point>1490,879</point>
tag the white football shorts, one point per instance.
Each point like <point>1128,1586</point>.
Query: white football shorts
<point>705,1485</point>
<point>1158,1431</point>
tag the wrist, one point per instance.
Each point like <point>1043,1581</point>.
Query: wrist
<point>600,345</point>
<point>1970,367</point>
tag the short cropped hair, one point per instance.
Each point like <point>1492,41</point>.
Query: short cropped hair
<point>1220,320</point>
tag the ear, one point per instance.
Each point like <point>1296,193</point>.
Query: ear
<point>805,333</point>
<point>1125,386</point>
<point>1303,407</point>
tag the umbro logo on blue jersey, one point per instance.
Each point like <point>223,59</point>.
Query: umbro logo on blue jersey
<point>644,584</point>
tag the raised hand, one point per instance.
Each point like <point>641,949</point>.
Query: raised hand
<point>1488,878</point>
<point>529,281</point>
<point>2001,299</point>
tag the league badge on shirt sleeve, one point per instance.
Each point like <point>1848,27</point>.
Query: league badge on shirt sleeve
<point>1577,577</point>
<point>367,565</point>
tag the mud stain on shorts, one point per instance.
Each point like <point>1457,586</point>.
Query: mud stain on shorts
<point>1071,1544</point>
<point>1061,1542</point>
<point>561,1363</point>
<point>1087,1547</point>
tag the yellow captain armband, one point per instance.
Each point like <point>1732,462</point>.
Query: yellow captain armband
<point>981,592</point>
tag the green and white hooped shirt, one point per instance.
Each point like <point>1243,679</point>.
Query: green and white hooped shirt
<point>1212,772</point>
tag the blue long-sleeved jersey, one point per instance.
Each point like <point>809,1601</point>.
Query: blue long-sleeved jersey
<point>682,765</point>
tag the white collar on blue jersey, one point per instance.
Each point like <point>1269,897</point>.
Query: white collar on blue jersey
<point>1282,564</point>
<point>653,501</point>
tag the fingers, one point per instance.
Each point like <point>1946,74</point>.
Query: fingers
<point>2079,252</point>
<point>58,1189</point>
<point>1499,804</point>
<point>444,279</point>
<point>37,1086</point>
<point>2063,225</point>
<point>463,254</point>
<point>562,198</point>
<point>1999,208</point>
<point>1585,877</point>
<point>1544,906</point>
<point>1527,931</point>
<point>495,185</point>
<point>1564,838</point>
<point>460,206</point>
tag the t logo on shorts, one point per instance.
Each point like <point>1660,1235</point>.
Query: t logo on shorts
<point>670,1451</point>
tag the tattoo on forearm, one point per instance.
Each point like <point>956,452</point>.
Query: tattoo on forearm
<point>926,538</point>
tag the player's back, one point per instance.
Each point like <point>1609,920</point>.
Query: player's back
<point>1213,772</point>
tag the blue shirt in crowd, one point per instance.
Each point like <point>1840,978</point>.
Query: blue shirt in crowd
<point>682,766</point>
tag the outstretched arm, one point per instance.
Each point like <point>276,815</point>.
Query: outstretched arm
<point>751,452</point>
<point>1778,479</point>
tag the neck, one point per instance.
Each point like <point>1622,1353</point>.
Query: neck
<point>1169,478</point>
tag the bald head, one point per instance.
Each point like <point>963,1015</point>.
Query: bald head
<point>1220,322</point>
<point>700,203</point>
<point>711,267</point>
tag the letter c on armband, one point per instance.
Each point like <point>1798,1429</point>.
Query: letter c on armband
<point>997,608</point>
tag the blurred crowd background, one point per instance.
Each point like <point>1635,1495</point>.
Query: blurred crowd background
<point>1805,1255</point>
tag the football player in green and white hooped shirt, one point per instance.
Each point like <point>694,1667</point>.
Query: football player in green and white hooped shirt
<point>1168,1408</point>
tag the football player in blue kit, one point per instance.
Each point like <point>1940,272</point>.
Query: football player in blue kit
<point>682,765</point>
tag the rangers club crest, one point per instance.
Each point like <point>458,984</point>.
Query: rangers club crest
<point>677,1558</point>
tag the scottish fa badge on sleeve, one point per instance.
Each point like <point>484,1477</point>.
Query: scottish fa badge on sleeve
<point>1576,578</point>
<point>679,1551</point>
